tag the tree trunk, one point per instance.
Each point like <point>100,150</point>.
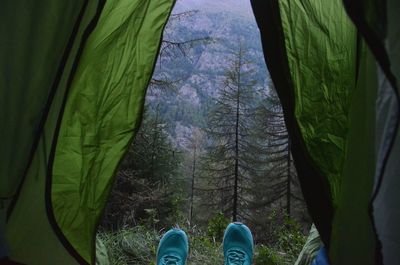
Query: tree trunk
<point>236,185</point>
<point>192,187</point>
<point>288,182</point>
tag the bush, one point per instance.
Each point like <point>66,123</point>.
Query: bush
<point>216,227</point>
<point>203,251</point>
<point>290,238</point>
<point>267,256</point>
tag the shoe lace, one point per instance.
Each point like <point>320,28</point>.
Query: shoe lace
<point>236,257</point>
<point>171,260</point>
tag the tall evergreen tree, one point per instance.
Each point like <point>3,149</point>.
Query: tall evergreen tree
<point>225,164</point>
<point>274,185</point>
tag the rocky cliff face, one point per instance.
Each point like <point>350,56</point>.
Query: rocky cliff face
<point>198,70</point>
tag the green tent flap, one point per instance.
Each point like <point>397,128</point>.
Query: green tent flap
<point>347,116</point>
<point>315,186</point>
<point>322,59</point>
<point>336,115</point>
<point>353,239</point>
<point>35,43</point>
<point>118,57</point>
<point>29,233</point>
<point>378,23</point>
<point>102,113</point>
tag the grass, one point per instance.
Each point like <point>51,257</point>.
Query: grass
<point>130,245</point>
<point>138,246</point>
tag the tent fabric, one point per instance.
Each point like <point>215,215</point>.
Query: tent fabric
<point>315,187</point>
<point>102,113</point>
<point>331,94</point>
<point>29,233</point>
<point>114,50</point>
<point>27,26</point>
<point>386,203</point>
<point>386,207</point>
<point>353,240</point>
<point>378,22</point>
<point>321,54</point>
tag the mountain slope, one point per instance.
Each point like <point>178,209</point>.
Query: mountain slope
<point>199,71</point>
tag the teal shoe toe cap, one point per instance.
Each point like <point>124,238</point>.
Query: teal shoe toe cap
<point>238,238</point>
<point>173,243</point>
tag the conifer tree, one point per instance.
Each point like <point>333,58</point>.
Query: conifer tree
<point>274,185</point>
<point>225,166</point>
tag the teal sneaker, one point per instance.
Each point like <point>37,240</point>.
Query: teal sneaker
<point>173,248</point>
<point>238,245</point>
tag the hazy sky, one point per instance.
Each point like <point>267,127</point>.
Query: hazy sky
<point>241,7</point>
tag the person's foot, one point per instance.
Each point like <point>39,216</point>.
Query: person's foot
<point>173,248</point>
<point>238,245</point>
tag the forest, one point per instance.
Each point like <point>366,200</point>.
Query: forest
<point>212,148</point>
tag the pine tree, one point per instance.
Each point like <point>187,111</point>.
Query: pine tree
<point>225,166</point>
<point>274,186</point>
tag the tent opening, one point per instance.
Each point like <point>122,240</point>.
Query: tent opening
<point>213,145</point>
